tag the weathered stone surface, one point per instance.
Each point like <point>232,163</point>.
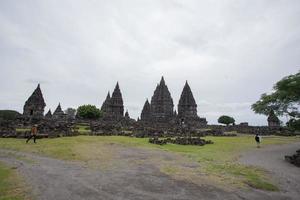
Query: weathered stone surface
<point>294,159</point>
<point>49,114</point>
<point>187,108</point>
<point>59,113</point>
<point>7,129</point>
<point>35,104</point>
<point>181,141</point>
<point>127,115</point>
<point>146,112</point>
<point>161,103</point>
<point>116,102</point>
<point>273,120</point>
<point>105,108</point>
<point>112,107</point>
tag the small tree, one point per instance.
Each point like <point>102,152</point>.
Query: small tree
<point>88,112</point>
<point>224,119</point>
<point>70,112</point>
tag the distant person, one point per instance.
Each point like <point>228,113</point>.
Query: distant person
<point>258,140</point>
<point>32,134</point>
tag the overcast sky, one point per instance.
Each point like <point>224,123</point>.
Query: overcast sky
<point>229,51</point>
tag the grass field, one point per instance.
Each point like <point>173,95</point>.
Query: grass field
<point>217,160</point>
<point>11,186</point>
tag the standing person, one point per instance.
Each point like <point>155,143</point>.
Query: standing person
<point>33,133</point>
<point>258,140</point>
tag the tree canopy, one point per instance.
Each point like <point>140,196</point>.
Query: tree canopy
<point>9,114</point>
<point>224,119</point>
<point>88,112</point>
<point>284,100</point>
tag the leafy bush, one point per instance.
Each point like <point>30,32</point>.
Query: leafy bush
<point>88,112</point>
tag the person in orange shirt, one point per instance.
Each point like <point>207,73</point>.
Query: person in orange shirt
<point>33,134</point>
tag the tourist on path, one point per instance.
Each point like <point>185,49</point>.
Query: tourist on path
<point>33,134</point>
<point>258,140</point>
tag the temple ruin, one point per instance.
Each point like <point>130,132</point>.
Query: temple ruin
<point>187,107</point>
<point>35,105</point>
<point>113,106</point>
<point>59,114</point>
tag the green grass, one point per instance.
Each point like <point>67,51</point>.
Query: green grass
<point>11,187</point>
<point>218,160</point>
<point>83,129</point>
<point>22,129</point>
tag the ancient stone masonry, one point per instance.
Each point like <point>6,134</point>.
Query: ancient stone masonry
<point>116,102</point>
<point>294,159</point>
<point>49,114</point>
<point>127,115</point>
<point>273,120</point>
<point>105,108</point>
<point>113,106</point>
<point>59,114</point>
<point>187,107</point>
<point>35,104</point>
<point>146,112</point>
<point>161,103</point>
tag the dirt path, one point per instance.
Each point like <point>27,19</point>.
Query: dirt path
<point>272,159</point>
<point>62,180</point>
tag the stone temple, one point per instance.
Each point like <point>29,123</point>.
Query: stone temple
<point>146,112</point>
<point>161,103</point>
<point>113,106</point>
<point>35,104</point>
<point>187,107</point>
<point>161,108</point>
<point>273,120</point>
<point>58,113</point>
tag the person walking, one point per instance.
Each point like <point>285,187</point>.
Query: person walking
<point>32,134</point>
<point>258,140</point>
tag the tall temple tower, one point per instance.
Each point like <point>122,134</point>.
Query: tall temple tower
<point>116,102</point>
<point>146,112</point>
<point>105,108</point>
<point>35,104</point>
<point>162,103</point>
<point>187,107</point>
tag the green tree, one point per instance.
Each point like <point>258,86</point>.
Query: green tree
<point>224,119</point>
<point>284,100</point>
<point>9,114</point>
<point>88,112</point>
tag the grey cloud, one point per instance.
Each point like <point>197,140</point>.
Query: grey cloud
<point>230,51</point>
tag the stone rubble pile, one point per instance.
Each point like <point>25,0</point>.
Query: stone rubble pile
<point>294,159</point>
<point>181,141</point>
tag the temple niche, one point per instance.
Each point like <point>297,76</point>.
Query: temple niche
<point>161,105</point>
<point>187,108</point>
<point>35,104</point>
<point>113,106</point>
